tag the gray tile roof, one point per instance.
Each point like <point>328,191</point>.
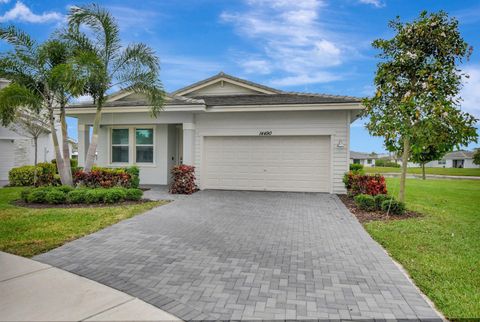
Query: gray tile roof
<point>275,99</point>
<point>462,154</point>
<point>174,100</point>
<point>362,155</point>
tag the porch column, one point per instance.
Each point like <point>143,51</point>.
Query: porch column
<point>83,143</point>
<point>188,143</point>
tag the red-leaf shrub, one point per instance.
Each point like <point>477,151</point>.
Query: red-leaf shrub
<point>364,184</point>
<point>103,178</point>
<point>183,180</point>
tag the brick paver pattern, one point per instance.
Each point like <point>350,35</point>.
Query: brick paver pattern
<point>248,255</point>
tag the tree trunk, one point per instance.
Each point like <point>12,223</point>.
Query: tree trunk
<point>58,155</point>
<point>35,144</point>
<point>403,177</point>
<point>67,169</point>
<point>424,177</point>
<point>92,149</point>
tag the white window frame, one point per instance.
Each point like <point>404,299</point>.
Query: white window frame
<point>111,145</point>
<point>135,145</point>
<point>132,150</point>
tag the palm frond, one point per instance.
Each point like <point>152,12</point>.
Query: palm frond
<point>137,56</point>
<point>153,90</point>
<point>19,39</point>
<point>16,96</point>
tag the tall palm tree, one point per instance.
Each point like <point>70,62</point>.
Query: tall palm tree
<point>134,68</point>
<point>42,78</point>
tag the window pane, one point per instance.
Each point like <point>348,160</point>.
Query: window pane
<point>144,136</point>
<point>120,154</point>
<point>119,136</point>
<point>145,154</point>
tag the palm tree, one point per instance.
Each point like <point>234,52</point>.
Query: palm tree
<point>134,68</point>
<point>42,78</point>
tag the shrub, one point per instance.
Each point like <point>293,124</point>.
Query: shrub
<point>393,206</point>
<point>356,166</point>
<point>386,163</point>
<point>103,178</point>
<point>38,195</point>
<point>41,175</point>
<point>113,195</point>
<point>133,194</point>
<point>65,189</point>
<point>55,196</point>
<point>24,194</point>
<point>77,196</point>
<point>365,202</point>
<point>379,199</point>
<point>134,173</point>
<point>183,180</point>
<point>94,195</point>
<point>364,184</point>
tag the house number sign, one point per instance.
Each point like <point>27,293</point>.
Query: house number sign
<point>265,133</point>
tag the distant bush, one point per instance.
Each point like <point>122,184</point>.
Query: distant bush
<point>133,194</point>
<point>55,196</point>
<point>386,163</point>
<point>394,207</point>
<point>356,166</point>
<point>365,202</point>
<point>379,199</point>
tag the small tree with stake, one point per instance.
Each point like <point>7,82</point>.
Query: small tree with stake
<point>417,86</point>
<point>476,156</point>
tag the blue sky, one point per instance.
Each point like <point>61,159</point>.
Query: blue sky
<point>298,45</point>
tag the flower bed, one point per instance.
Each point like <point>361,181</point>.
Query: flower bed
<point>65,195</point>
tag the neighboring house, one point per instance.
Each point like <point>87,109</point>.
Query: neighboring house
<point>365,159</point>
<point>239,135</point>
<point>457,159</point>
<point>17,148</point>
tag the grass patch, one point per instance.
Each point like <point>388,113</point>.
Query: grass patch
<point>475,172</point>
<point>440,250</point>
<point>28,232</point>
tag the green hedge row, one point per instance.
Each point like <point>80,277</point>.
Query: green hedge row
<point>379,202</point>
<point>41,175</point>
<point>66,194</point>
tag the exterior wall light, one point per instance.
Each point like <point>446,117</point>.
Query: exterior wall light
<point>340,144</point>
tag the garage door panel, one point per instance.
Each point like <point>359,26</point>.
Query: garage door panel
<point>295,163</point>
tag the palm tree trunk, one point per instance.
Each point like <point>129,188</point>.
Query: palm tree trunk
<point>67,170</point>
<point>92,148</point>
<point>403,177</point>
<point>56,147</point>
<point>424,177</point>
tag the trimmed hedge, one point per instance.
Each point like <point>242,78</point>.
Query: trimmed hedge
<point>386,163</point>
<point>365,202</point>
<point>379,199</point>
<point>63,195</point>
<point>356,166</point>
<point>108,177</point>
<point>394,207</point>
<point>41,175</point>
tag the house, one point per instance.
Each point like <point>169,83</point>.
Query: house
<point>18,149</point>
<point>239,135</point>
<point>365,159</point>
<point>456,159</point>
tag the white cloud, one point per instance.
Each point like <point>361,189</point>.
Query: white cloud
<point>471,91</point>
<point>23,14</point>
<point>4,1</point>
<point>291,40</point>
<point>375,3</point>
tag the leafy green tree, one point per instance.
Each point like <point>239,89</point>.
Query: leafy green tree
<point>134,68</point>
<point>418,83</point>
<point>42,79</point>
<point>476,156</point>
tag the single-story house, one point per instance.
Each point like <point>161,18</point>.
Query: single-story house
<point>456,159</point>
<point>365,159</point>
<point>238,134</point>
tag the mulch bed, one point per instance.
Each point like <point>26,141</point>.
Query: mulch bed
<point>366,216</point>
<point>21,203</point>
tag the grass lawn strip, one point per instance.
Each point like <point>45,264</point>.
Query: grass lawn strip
<point>28,232</point>
<point>473,172</point>
<point>440,250</point>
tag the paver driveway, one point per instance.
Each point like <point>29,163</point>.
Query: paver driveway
<point>248,255</point>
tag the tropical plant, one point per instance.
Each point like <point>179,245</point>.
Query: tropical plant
<point>476,156</point>
<point>417,87</point>
<point>42,77</point>
<point>135,68</point>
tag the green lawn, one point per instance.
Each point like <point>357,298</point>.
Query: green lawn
<point>439,171</point>
<point>441,250</point>
<point>28,232</point>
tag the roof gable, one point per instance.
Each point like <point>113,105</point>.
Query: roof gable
<point>224,84</point>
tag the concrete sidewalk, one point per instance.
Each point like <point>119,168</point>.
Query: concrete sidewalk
<point>32,291</point>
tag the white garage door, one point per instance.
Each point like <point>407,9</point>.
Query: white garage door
<point>274,163</point>
<point>7,158</point>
